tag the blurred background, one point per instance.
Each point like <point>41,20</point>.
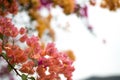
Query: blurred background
<point>95,55</point>
<point>94,39</point>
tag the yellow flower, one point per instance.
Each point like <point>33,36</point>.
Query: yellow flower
<point>67,5</point>
<point>111,4</point>
<point>44,24</point>
<point>70,54</point>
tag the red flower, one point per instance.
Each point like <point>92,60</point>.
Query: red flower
<point>8,6</point>
<point>22,30</point>
<point>28,67</point>
<point>23,38</point>
<point>7,28</point>
<point>15,54</point>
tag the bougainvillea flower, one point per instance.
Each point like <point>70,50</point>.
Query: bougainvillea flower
<point>8,6</point>
<point>112,5</point>
<point>23,38</point>
<point>28,67</point>
<point>84,11</point>
<point>33,58</point>
<point>45,2</point>
<point>15,54</point>
<point>22,30</point>
<point>7,28</point>
<point>70,54</point>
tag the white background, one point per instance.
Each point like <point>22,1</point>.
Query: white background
<point>93,57</point>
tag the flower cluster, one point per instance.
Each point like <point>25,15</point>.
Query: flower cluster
<point>6,28</point>
<point>70,54</point>
<point>55,63</point>
<point>35,57</point>
<point>110,4</point>
<point>43,25</point>
<point>8,6</point>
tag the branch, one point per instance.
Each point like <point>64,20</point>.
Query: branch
<point>11,65</point>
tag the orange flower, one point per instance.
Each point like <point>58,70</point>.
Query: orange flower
<point>8,6</point>
<point>111,4</point>
<point>43,25</point>
<point>70,54</point>
<point>34,14</point>
<point>35,56</point>
<point>23,38</point>
<point>35,4</point>
<point>24,2</point>
<point>41,71</point>
<point>67,5</point>
<point>28,67</point>
<point>15,54</point>
<point>92,2</point>
<point>22,30</point>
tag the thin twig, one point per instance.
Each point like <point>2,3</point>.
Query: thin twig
<point>11,66</point>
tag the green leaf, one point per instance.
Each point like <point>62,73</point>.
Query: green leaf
<point>1,36</point>
<point>10,1</point>
<point>5,56</point>
<point>24,77</point>
<point>10,68</point>
<point>32,78</point>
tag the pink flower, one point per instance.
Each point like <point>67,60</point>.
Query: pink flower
<point>15,54</point>
<point>57,62</point>
<point>35,48</point>
<point>84,11</point>
<point>32,41</point>
<point>28,67</point>
<point>23,38</point>
<point>7,28</point>
<point>8,6</point>
<point>45,2</point>
<point>22,30</point>
<point>14,32</point>
<point>51,50</point>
